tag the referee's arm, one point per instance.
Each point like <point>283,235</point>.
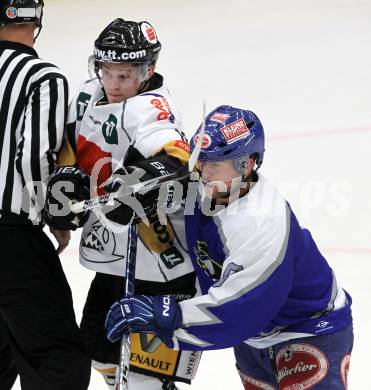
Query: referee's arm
<point>44,125</point>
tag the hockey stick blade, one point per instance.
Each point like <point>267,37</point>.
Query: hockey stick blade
<point>180,174</point>
<point>196,151</point>
<point>107,199</point>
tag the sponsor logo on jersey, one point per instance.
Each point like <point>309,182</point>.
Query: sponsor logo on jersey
<point>100,239</point>
<point>113,55</point>
<point>205,262</point>
<point>11,12</point>
<point>344,369</point>
<point>192,361</point>
<point>82,104</point>
<point>219,117</point>
<point>235,130</point>
<point>300,366</point>
<point>160,365</point>
<point>206,141</point>
<point>182,145</point>
<point>92,242</point>
<point>171,257</point>
<point>323,326</point>
<point>109,130</point>
<point>150,355</point>
<point>163,242</point>
<point>149,32</point>
<point>148,342</point>
<point>163,106</point>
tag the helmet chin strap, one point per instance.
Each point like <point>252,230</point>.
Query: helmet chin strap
<point>145,83</point>
<point>40,24</point>
<point>38,33</point>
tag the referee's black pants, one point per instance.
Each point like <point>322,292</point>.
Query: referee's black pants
<point>39,337</point>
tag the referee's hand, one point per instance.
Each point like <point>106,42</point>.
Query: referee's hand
<point>63,238</point>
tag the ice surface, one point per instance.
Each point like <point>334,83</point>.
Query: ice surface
<point>303,68</point>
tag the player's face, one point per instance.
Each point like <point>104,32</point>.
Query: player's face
<point>217,176</point>
<point>121,81</point>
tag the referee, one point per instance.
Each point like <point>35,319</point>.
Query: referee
<point>39,338</point>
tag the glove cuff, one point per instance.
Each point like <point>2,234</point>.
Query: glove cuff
<point>168,314</point>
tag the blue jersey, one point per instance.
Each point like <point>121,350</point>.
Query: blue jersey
<point>262,276</point>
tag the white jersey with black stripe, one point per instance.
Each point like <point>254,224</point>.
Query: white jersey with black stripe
<point>103,133</point>
<point>33,110</point>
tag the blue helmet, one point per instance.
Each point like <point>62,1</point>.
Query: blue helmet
<point>231,134</point>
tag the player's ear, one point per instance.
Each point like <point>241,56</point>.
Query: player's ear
<point>250,166</point>
<point>151,70</point>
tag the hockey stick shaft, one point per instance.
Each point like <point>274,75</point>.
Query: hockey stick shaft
<point>129,290</point>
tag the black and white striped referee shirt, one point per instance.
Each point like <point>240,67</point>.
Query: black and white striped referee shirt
<point>33,112</point>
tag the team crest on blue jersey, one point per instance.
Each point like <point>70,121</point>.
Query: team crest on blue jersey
<point>109,130</point>
<point>205,262</point>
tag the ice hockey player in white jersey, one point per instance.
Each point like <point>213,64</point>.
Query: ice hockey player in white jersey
<point>124,119</point>
<point>267,290</point>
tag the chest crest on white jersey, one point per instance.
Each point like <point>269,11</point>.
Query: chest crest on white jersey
<point>109,130</point>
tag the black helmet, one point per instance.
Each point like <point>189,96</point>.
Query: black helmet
<point>125,41</point>
<point>21,11</point>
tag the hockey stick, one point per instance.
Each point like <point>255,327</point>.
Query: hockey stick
<point>129,290</point>
<point>180,174</point>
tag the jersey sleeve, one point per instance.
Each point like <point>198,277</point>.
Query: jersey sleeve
<point>255,282</point>
<point>44,126</point>
<point>158,124</point>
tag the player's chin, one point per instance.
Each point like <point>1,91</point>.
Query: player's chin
<point>211,191</point>
<point>116,98</point>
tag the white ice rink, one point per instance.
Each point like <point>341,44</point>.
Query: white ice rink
<point>304,66</point>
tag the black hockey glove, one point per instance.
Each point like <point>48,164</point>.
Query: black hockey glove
<point>66,183</point>
<point>134,208</point>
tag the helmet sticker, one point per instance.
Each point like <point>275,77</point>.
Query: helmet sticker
<point>11,12</point>
<point>113,55</point>
<point>219,117</point>
<point>235,130</point>
<point>206,141</point>
<point>26,12</point>
<point>149,33</point>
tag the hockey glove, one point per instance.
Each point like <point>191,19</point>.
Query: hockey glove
<point>142,313</point>
<point>130,209</point>
<point>134,208</point>
<point>66,183</point>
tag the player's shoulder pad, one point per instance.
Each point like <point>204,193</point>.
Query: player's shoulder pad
<point>90,88</point>
<point>158,106</point>
<point>260,219</point>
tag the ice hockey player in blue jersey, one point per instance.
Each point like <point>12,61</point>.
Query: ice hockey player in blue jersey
<point>267,290</point>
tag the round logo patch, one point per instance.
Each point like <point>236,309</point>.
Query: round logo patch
<point>206,141</point>
<point>300,366</point>
<point>344,369</point>
<point>149,32</point>
<point>11,12</point>
<point>251,383</point>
